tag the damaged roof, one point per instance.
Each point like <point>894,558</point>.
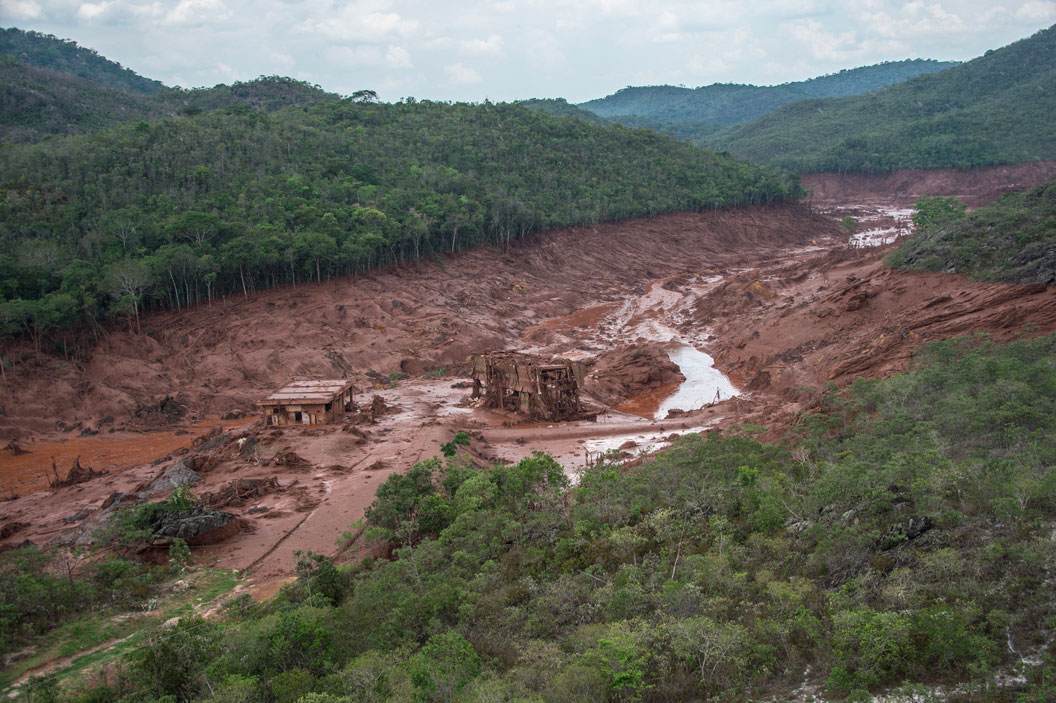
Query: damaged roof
<point>320,391</point>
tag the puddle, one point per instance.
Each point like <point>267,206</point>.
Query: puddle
<point>645,442</point>
<point>877,236</point>
<point>704,383</point>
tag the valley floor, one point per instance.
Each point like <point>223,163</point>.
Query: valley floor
<point>782,298</point>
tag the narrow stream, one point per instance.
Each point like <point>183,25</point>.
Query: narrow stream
<point>704,383</point>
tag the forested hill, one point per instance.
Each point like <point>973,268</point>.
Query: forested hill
<point>52,86</point>
<point>729,104</point>
<point>160,214</point>
<point>1012,240</point>
<point>997,108</point>
<point>66,56</point>
<point>561,108</point>
<point>37,102</point>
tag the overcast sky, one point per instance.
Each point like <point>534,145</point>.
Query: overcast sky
<point>472,50</point>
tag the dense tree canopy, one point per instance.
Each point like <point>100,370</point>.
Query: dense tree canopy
<point>1011,240</point>
<point>994,109</point>
<point>174,212</point>
<point>724,104</point>
<point>48,51</point>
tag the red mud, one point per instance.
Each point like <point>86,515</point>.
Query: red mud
<point>775,295</point>
<point>975,186</point>
<point>104,452</point>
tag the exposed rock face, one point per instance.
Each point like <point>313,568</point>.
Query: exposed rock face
<point>196,526</point>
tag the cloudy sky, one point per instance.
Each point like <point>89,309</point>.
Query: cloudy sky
<point>510,49</point>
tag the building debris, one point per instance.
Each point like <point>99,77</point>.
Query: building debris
<point>542,389</point>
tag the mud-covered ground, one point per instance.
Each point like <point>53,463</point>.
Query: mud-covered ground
<point>781,298</point>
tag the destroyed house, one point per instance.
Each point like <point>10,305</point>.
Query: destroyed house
<point>545,389</point>
<point>307,403</point>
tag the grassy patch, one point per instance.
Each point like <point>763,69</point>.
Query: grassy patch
<point>126,628</point>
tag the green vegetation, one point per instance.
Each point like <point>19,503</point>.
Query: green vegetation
<point>50,86</point>
<point>165,214</point>
<point>681,109</point>
<point>48,51</point>
<point>40,590</point>
<point>1012,240</point>
<point>559,107</point>
<point>994,109</point>
<point>36,102</point>
<point>905,538</point>
<point>104,632</point>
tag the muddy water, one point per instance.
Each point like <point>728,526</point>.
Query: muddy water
<point>30,472</point>
<point>704,383</point>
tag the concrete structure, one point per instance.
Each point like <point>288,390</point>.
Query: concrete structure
<point>308,403</point>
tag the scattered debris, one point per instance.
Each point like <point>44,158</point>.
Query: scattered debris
<point>76,474</point>
<point>240,491</point>
<point>10,528</point>
<point>15,449</point>
<point>214,432</point>
<point>168,410</point>
<point>291,460</point>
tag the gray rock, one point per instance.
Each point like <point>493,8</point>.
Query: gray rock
<point>178,473</point>
<point>196,526</point>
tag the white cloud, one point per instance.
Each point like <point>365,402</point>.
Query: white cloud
<point>544,49</point>
<point>470,49</point>
<point>229,74</point>
<point>363,55</point>
<point>398,57</point>
<point>91,10</point>
<point>821,43</point>
<point>281,59</point>
<point>20,9</point>
<point>460,73</point>
<point>197,12</point>
<point>1042,10</point>
<point>492,46</point>
<point>353,23</point>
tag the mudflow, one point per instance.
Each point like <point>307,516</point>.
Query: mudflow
<point>778,297</point>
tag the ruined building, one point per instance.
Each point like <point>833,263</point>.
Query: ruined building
<point>308,403</point>
<point>542,389</point>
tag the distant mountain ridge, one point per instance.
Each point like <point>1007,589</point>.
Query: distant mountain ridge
<point>64,55</point>
<point>728,104</point>
<point>51,86</point>
<point>997,108</point>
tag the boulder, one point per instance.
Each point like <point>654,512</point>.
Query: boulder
<point>196,526</point>
<point>178,473</point>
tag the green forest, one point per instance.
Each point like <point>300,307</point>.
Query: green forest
<point>728,104</point>
<point>900,535</point>
<point>65,56</point>
<point>51,87</point>
<point>994,109</point>
<point>1012,240</point>
<point>163,214</point>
